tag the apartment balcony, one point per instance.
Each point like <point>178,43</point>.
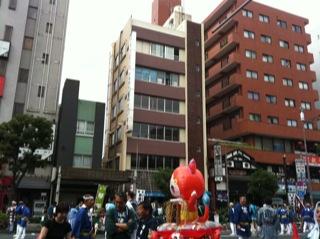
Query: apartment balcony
<point>225,66</point>
<point>226,45</point>
<point>241,127</point>
<point>227,85</point>
<point>221,31</point>
<point>310,58</point>
<point>308,38</point>
<point>225,108</point>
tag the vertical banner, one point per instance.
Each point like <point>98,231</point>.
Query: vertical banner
<point>101,193</point>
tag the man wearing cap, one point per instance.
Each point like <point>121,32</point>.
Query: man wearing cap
<point>83,228</point>
<point>11,213</point>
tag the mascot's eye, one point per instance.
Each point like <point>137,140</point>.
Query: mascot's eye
<point>172,188</point>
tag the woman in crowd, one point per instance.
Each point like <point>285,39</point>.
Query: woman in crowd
<point>57,227</point>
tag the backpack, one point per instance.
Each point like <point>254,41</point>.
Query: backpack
<point>268,216</point>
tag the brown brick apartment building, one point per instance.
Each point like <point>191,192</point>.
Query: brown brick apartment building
<point>258,78</point>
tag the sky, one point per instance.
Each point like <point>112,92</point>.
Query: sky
<point>93,26</point>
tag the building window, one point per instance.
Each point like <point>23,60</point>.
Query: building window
<point>306,105</point>
<point>269,78</point>
<point>285,63</point>
<point>18,109</point>
<point>27,43</point>
<point>296,28</point>
<point>248,34</point>
<point>287,82</point>
<point>264,18</point>
<point>227,123</point>
<point>250,54</point>
<point>284,44</point>
<point>85,128</point>
<point>289,103</point>
<point>157,77</point>
<point>8,33</point>
<point>303,85</point>
<point>32,12</point>
<point>13,4</point>
<point>156,104</point>
<point>298,48</point>
<point>252,95</point>
<point>52,2</point>
<point>247,13</point>
<point>308,125</point>
<point>292,123</point>
<point>45,58</point>
<point>271,99</point>
<point>41,91</point>
<point>301,67</point>
<point>265,39</point>
<point>49,27</point>
<point>282,24</point>
<point>255,117</point>
<point>82,161</point>
<point>23,75</point>
<point>3,67</point>
<point>273,120</point>
<point>251,74</point>
<point>153,162</point>
<point>158,132</point>
<point>267,58</point>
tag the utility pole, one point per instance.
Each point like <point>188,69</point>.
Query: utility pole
<point>284,157</point>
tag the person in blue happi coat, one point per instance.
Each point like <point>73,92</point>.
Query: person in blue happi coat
<point>242,219</point>
<point>23,214</point>
<point>307,217</point>
<point>283,215</point>
<point>83,228</point>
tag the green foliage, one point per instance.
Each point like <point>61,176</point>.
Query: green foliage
<point>262,185</point>
<point>30,133</point>
<point>162,180</point>
<point>223,215</point>
<point>3,220</point>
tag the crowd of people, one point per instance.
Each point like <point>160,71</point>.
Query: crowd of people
<point>269,221</point>
<point>121,218</point>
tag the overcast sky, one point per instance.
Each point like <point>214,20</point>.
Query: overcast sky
<point>93,26</point>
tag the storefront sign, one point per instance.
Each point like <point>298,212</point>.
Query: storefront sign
<point>218,169</point>
<point>300,169</point>
<point>235,172</point>
<point>4,49</point>
<point>101,193</point>
<point>314,160</point>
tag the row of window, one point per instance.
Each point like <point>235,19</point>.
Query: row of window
<point>275,120</point>
<point>271,79</point>
<point>272,144</point>
<point>266,19</point>
<point>272,99</point>
<point>158,50</point>
<point>268,40</point>
<point>116,136</point>
<point>158,132</point>
<point>157,77</point>
<point>82,161</point>
<point>118,107</point>
<point>251,54</point>
<point>85,128</point>
<point>156,103</point>
<point>153,162</point>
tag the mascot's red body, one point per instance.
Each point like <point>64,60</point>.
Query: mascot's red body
<point>187,183</point>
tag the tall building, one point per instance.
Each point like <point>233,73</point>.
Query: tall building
<point>32,34</point>
<point>258,79</point>
<point>155,115</point>
<point>162,9</point>
<point>79,143</point>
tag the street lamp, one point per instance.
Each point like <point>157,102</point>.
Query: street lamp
<point>284,158</point>
<point>302,118</point>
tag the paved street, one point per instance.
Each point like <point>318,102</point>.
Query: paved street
<point>33,236</point>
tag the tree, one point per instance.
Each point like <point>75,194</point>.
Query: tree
<point>19,139</point>
<point>162,180</point>
<point>262,185</point>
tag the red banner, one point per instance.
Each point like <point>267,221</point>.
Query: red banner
<point>2,80</point>
<point>314,160</point>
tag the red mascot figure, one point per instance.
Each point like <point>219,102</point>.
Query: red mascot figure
<point>187,183</point>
